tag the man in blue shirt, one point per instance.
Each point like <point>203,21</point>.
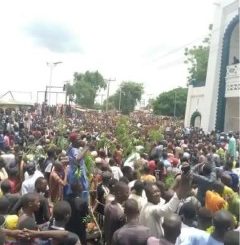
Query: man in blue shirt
<point>77,168</point>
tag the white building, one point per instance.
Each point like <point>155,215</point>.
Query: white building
<point>215,106</point>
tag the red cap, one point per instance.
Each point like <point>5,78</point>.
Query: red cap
<point>152,165</point>
<point>174,162</point>
<point>73,137</point>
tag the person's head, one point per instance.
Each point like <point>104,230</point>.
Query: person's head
<point>31,167</point>
<point>4,205</point>
<point>204,218</point>
<point>135,175</point>
<point>51,153</point>
<point>229,165</point>
<point>185,167</point>
<point>232,238</point>
<point>153,193</point>
<point>30,202</point>
<point>41,185</point>
<point>112,184</point>
<point>5,187</point>
<point>106,176</point>
<point>131,209</point>
<point>124,180</point>
<point>188,213</point>
<point>160,165</point>
<point>76,187</point>
<point>218,187</point>
<point>138,187</point>
<point>172,227</point>
<point>102,154</point>
<point>146,169</point>
<point>112,162</point>
<point>207,169</point>
<point>164,155</point>
<point>58,166</point>
<point>12,172</point>
<point>226,180</point>
<point>230,135</point>
<point>74,139</point>
<point>222,222</point>
<point>127,172</point>
<point>121,192</point>
<point>62,212</point>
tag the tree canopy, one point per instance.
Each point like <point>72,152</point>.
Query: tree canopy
<point>126,97</point>
<point>85,87</point>
<point>197,60</point>
<point>164,103</point>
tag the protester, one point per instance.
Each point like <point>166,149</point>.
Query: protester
<point>6,192</point>
<point>137,194</point>
<point>116,170</point>
<point>57,181</point>
<point>152,213</point>
<point>222,223</point>
<point>182,183</point>
<point>132,232</point>
<point>79,207</point>
<point>172,229</point>
<point>114,212</point>
<point>30,204</point>
<point>61,215</point>
<point>32,174</point>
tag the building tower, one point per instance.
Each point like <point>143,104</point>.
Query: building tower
<point>215,106</point>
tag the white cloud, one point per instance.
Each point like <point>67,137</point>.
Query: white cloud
<point>126,40</point>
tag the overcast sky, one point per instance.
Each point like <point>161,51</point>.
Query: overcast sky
<point>138,40</point>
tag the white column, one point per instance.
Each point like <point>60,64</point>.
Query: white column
<point>213,74</point>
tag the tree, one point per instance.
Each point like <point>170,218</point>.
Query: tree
<point>164,103</point>
<point>86,87</point>
<point>69,91</point>
<point>128,94</point>
<point>197,60</point>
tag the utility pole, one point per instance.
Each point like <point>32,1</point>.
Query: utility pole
<point>120,99</point>
<point>174,112</point>
<point>65,88</point>
<point>108,87</point>
<point>51,65</point>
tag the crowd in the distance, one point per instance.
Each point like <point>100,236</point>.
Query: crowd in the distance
<point>58,186</point>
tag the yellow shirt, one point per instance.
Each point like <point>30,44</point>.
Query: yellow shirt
<point>11,222</point>
<point>228,193</point>
<point>214,202</point>
<point>148,178</point>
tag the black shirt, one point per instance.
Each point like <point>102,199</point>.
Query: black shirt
<point>41,216</point>
<point>76,223</point>
<point>131,234</point>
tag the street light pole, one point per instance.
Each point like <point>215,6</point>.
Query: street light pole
<point>51,65</point>
<point>108,87</point>
<point>120,99</point>
<point>174,112</point>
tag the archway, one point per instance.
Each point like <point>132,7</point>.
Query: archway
<point>196,119</point>
<point>221,100</point>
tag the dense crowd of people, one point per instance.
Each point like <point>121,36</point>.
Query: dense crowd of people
<point>60,186</point>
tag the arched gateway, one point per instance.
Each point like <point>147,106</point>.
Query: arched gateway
<point>218,100</point>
